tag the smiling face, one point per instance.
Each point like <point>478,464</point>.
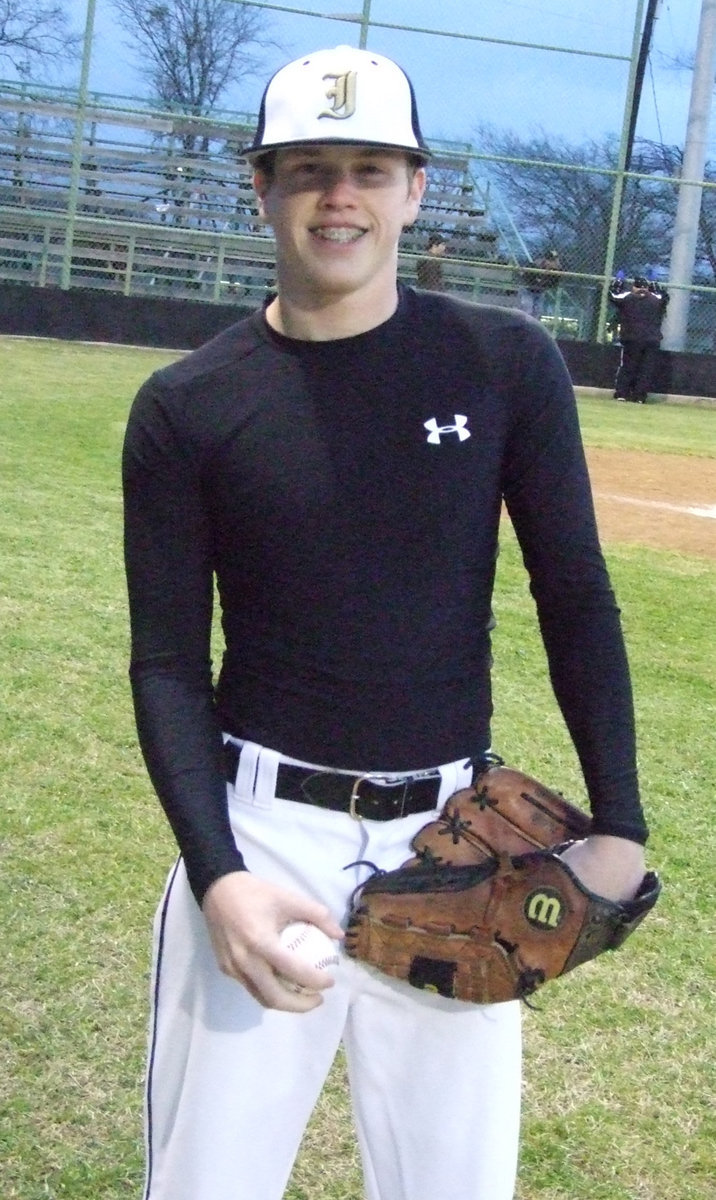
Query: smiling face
<point>337,213</point>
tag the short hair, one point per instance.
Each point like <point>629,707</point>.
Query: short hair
<point>640,281</point>
<point>436,239</point>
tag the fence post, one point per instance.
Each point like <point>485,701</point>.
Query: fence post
<point>76,164</point>
<point>219,272</point>
<point>129,265</point>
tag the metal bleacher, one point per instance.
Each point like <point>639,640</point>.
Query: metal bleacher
<point>141,201</point>
<point>480,261</point>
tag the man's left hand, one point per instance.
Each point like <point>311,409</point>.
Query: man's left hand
<point>612,867</point>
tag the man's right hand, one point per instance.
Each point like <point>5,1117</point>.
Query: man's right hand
<point>245,916</point>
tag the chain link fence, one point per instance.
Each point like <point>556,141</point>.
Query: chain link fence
<point>150,202</point>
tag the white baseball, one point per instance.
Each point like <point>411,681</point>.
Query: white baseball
<point>311,945</point>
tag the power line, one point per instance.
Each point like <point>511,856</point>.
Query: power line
<point>656,102</point>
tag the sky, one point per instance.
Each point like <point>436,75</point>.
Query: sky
<point>462,83</point>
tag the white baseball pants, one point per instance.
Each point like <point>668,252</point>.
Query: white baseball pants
<point>435,1083</point>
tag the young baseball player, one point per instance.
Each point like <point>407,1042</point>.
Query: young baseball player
<point>337,465</point>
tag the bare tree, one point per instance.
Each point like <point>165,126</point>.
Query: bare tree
<point>192,51</point>
<point>33,35</point>
<point>665,163</point>
<point>561,195</point>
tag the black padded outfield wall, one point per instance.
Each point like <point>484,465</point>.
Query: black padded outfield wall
<point>592,365</point>
<point>96,316</point>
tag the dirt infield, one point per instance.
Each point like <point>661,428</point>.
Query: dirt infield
<point>664,501</point>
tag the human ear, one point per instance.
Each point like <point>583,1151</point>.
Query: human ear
<point>261,186</point>
<point>417,181</point>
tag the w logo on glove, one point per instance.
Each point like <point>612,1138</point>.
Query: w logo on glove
<point>487,910</point>
<point>544,909</point>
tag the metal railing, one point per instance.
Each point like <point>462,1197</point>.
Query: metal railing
<point>162,203</point>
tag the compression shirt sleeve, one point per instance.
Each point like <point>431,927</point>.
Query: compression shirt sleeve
<point>548,495</point>
<point>168,559</point>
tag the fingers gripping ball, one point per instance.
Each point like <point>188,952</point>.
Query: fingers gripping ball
<point>311,945</point>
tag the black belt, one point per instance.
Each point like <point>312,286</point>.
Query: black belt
<point>358,795</point>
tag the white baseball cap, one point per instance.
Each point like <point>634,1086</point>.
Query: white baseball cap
<point>339,96</point>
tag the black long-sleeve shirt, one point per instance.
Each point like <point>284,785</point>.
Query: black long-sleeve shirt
<point>352,528</point>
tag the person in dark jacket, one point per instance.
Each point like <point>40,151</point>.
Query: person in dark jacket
<point>538,285</point>
<point>640,310</point>
<point>430,267</point>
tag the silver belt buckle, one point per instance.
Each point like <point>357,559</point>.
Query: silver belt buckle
<point>377,779</point>
<point>352,810</point>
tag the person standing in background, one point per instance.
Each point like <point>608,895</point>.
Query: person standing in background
<point>640,311</point>
<point>541,278</point>
<point>430,268</point>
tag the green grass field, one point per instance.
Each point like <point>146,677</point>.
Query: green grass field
<point>619,1095</point>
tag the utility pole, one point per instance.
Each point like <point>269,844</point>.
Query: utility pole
<point>688,209</point>
<point>620,179</point>
<point>649,21</point>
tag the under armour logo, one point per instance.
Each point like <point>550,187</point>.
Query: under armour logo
<point>436,431</point>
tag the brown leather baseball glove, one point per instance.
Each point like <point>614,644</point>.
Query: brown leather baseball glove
<point>504,811</point>
<point>486,911</point>
<point>493,931</point>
